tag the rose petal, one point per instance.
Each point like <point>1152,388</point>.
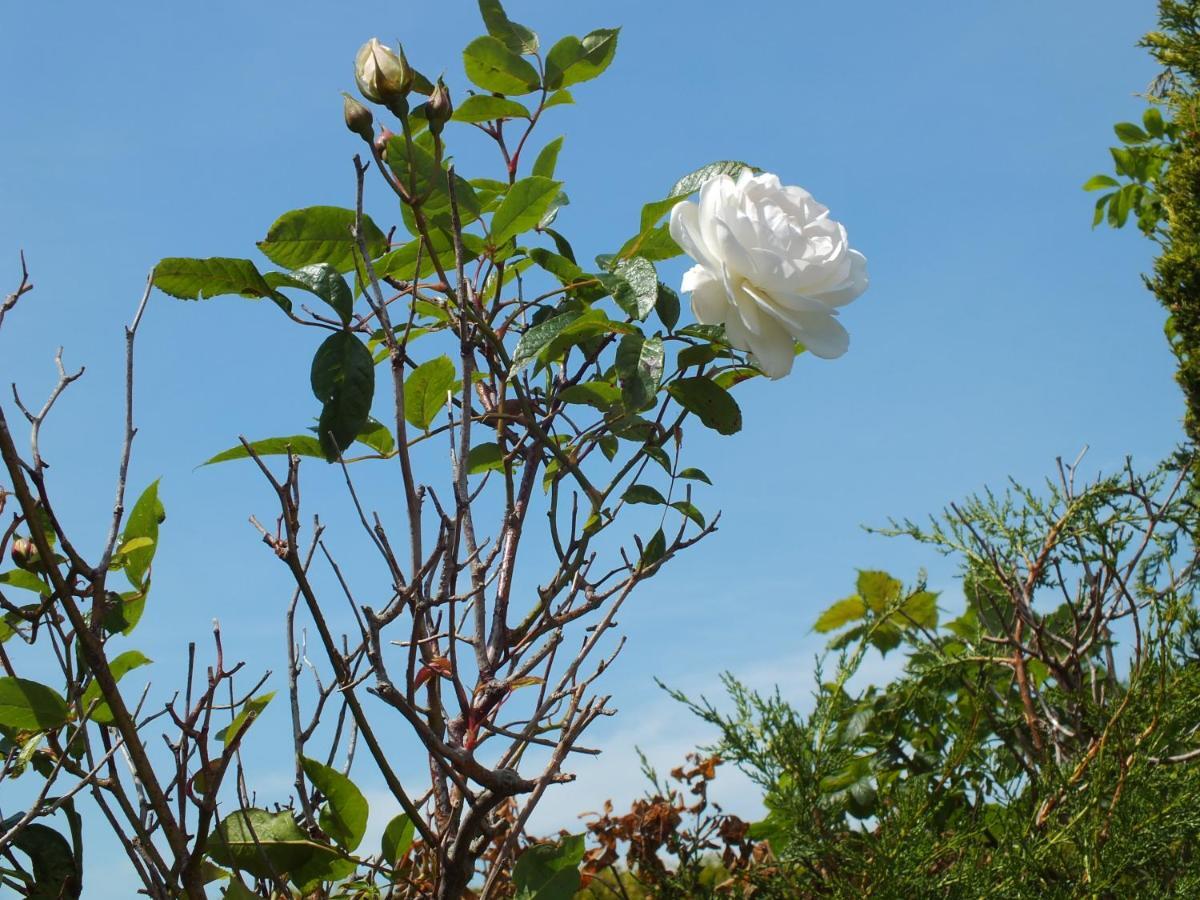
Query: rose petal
<point>718,199</point>
<point>822,334</point>
<point>855,284</point>
<point>694,277</point>
<point>685,229</point>
<point>743,304</point>
<point>774,350</point>
<point>709,303</point>
<point>731,252</point>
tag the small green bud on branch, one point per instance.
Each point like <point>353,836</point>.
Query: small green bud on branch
<point>439,108</point>
<point>358,118</point>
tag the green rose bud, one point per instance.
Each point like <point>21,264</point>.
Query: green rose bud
<point>439,109</point>
<point>383,75</point>
<point>358,118</point>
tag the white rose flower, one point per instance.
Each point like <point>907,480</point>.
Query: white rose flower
<point>772,267</point>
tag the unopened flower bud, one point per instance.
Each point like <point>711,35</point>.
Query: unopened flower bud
<point>358,118</point>
<point>383,75</point>
<point>381,141</point>
<point>24,554</point>
<point>439,109</point>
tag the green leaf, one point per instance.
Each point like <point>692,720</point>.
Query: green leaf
<point>551,213</point>
<point>377,436</point>
<point>425,391</point>
<point>558,98</point>
<point>485,108</point>
<point>319,234</point>
<point>878,589</point>
<point>547,160</point>
<point>850,609</point>
<point>653,212</point>
<point>30,706</point>
<point>300,444</point>
<point>523,207</point>
<point>919,610</point>
<point>572,60</point>
<point>886,637</point>
<point>659,455</point>
<point>343,379</point>
<point>562,885</point>
<point>264,844</point>
<point>1130,133</point>
<point>1123,161</point>
<point>143,522</point>
<point>126,662</point>
<point>418,168</point>
<point>698,355</point>
<point>344,815</point>
<point>484,458</point>
<point>666,304</point>
<point>711,403</point>
<point>608,446</point>
<point>130,546</point>
<point>516,38</point>
<point>537,337</point>
<point>125,611</point>
<point>1153,121</point>
<point>712,333</point>
<point>26,581</point>
<point>11,624</point>
<point>689,510</point>
<point>56,873</point>
<point>401,263</point>
<point>692,182</point>
<point>561,267</point>
<point>599,394</point>
<point>561,244</point>
<point>494,67</point>
<point>322,280</point>
<point>1096,182</point>
<point>644,493</point>
<point>549,871</point>
<point>653,244</point>
<point>634,428</point>
<point>639,294</point>
<point>639,365</point>
<point>249,712</point>
<point>654,549</point>
<point>397,839</point>
<point>199,279</point>
<point>321,867</point>
<point>590,324</point>
<point>694,475</point>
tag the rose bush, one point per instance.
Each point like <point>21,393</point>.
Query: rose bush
<point>772,267</point>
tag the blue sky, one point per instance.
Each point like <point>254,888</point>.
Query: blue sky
<point>951,140</point>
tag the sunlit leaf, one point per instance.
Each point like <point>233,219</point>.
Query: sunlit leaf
<point>344,814</point>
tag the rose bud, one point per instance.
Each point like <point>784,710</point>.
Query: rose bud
<point>358,118</point>
<point>383,75</point>
<point>439,109</point>
<point>24,554</point>
<point>381,141</point>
